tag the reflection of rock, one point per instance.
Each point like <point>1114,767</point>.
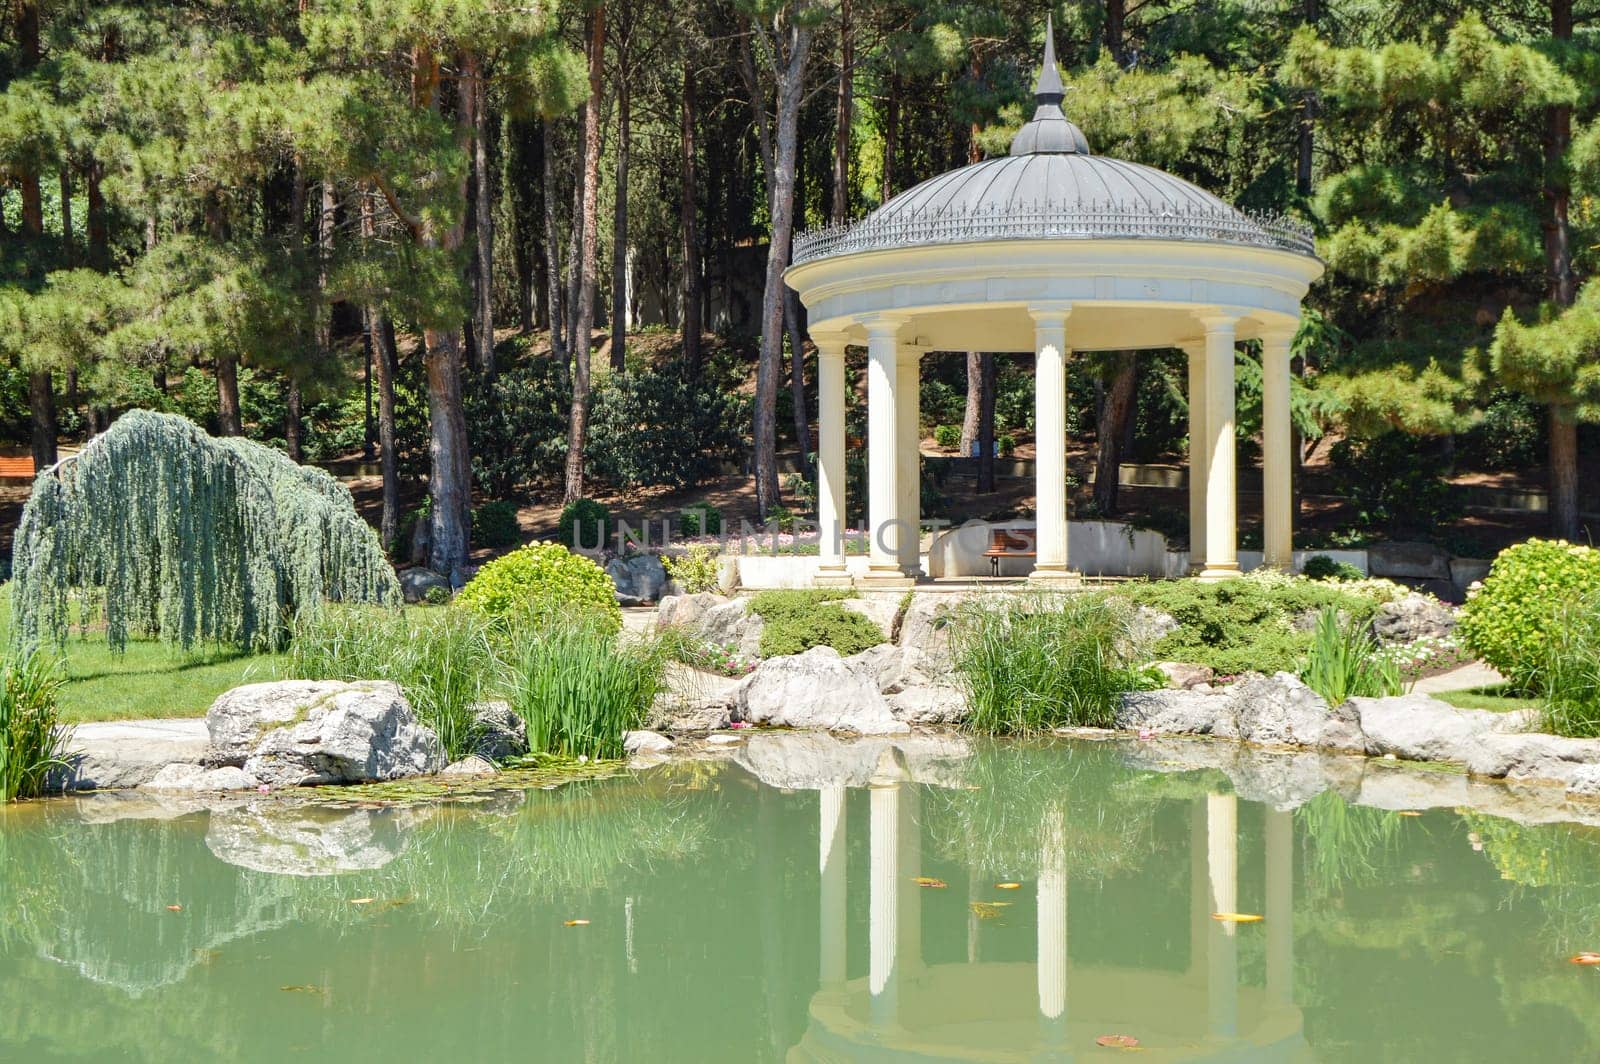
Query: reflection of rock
<point>812,760</point>
<point>186,777</point>
<point>815,689</point>
<point>295,732</point>
<point>305,841</point>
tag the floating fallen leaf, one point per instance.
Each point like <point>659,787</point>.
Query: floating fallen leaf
<point>1237,918</point>
<point>929,881</point>
<point>1007,886</point>
<point>1117,1041</point>
<point>1586,957</point>
<point>988,910</point>
<point>206,956</point>
<point>576,923</point>
<point>362,901</point>
<point>1408,812</point>
<point>174,908</point>
<point>303,988</point>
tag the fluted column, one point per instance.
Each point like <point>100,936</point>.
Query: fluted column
<point>1222,502</point>
<point>908,470</point>
<point>1198,450</point>
<point>1050,435</point>
<point>1277,444</point>
<point>1222,861</point>
<point>883,438</point>
<point>831,837</point>
<point>830,459</point>
<point>1280,907</point>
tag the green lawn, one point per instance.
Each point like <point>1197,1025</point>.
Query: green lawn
<point>1497,699</point>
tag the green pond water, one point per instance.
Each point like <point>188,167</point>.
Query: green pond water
<point>731,919</point>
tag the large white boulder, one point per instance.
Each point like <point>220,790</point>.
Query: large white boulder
<point>1177,712</point>
<point>1535,756</point>
<point>815,689</point>
<point>302,732</point>
<point>1280,710</point>
<point>1419,728</point>
<point>1413,617</point>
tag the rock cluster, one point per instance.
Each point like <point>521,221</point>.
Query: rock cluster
<point>640,578</point>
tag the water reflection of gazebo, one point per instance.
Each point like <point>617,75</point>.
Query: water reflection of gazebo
<point>904,1009</point>
<point>1049,250</point>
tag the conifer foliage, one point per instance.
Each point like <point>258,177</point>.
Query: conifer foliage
<point>174,533</point>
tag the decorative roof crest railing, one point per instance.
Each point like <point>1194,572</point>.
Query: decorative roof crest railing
<point>1056,221</point>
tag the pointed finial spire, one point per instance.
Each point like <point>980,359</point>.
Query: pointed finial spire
<point>1049,89</point>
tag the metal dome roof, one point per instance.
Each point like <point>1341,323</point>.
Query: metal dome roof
<point>1050,187</point>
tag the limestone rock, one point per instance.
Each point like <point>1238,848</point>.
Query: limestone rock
<point>1177,713</point>
<point>1584,782</point>
<point>294,732</point>
<point>929,704</point>
<point>501,733</point>
<point>640,578</point>
<point>1279,710</point>
<point>184,776</point>
<point>732,624</point>
<point>470,767</point>
<point>283,840</point>
<point>1150,626</point>
<point>1411,618</point>
<point>693,701</point>
<point>416,581</point>
<point>878,607</point>
<point>645,742</point>
<point>1184,675</point>
<point>128,753</point>
<point>685,611</point>
<point>880,665</point>
<point>814,690</point>
<point>1534,756</point>
<point>925,636</point>
<point>1419,728</point>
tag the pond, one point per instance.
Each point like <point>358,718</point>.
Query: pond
<point>803,899</point>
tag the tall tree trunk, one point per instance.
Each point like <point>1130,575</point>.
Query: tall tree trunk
<point>41,391</point>
<point>843,116</point>
<point>42,406</point>
<point>789,77</point>
<point>1308,118</point>
<point>450,470</point>
<point>578,424</point>
<point>1116,30</point>
<point>381,335</point>
<point>293,425</point>
<point>1115,413</point>
<point>483,219</point>
<point>575,259</point>
<point>96,225</point>
<point>69,252</point>
<point>552,243</point>
<point>1564,471</point>
<point>971,413</point>
<point>986,427</point>
<point>619,232</point>
<point>688,218</point>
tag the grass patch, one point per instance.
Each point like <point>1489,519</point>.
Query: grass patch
<point>579,689</point>
<point>1497,698</point>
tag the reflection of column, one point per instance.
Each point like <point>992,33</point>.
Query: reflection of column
<point>830,457</point>
<point>908,956</point>
<point>1222,861</point>
<point>1052,926</point>
<point>1280,907</point>
<point>882,976</point>
<point>908,470</point>
<point>1199,892</point>
<point>831,835</point>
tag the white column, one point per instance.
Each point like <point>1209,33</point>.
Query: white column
<point>1198,449</point>
<point>883,564</point>
<point>830,459</point>
<point>1276,452</point>
<point>1222,861</point>
<point>1280,907</point>
<point>908,469</point>
<point>1050,435</point>
<point>1051,944</point>
<point>831,864</point>
<point>1222,504</point>
<point>884,913</point>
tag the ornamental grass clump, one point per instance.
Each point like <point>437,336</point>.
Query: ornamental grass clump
<point>1035,662</point>
<point>1571,676</point>
<point>32,741</point>
<point>163,530</point>
<point>1345,662</point>
<point>580,688</point>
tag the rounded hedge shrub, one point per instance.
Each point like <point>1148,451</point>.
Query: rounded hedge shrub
<point>494,524</point>
<point>947,436</point>
<point>1509,622</point>
<point>543,580</point>
<point>1322,567</point>
<point>584,523</point>
<point>702,520</point>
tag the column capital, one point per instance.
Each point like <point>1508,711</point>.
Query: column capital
<point>1050,313</point>
<point>1279,334</point>
<point>883,326</point>
<point>1217,319</point>
<point>830,343</point>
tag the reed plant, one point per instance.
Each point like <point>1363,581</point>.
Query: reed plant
<point>579,687</point>
<point>32,741</point>
<point>1571,680</point>
<point>1028,663</point>
<point>1346,662</point>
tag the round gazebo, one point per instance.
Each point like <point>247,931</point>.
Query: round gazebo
<point>1048,250</point>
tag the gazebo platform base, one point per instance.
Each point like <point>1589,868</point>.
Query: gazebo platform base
<point>1055,579</point>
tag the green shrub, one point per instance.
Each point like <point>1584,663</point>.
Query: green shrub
<point>699,569</point>
<point>701,520</point>
<point>656,425</point>
<point>436,596</point>
<point>539,582</point>
<point>1511,620</point>
<point>494,524</point>
<point>519,426</point>
<point>796,621</point>
<point>947,436</point>
<point>1395,483</point>
<point>584,524</point>
<point>782,517</point>
<point>1044,662</point>
<point>1345,662</point>
<point>1244,625</point>
<point>1322,567</point>
<point>579,688</point>
<point>408,526</point>
<point>444,661</point>
<point>1572,672</point>
<point>1005,445</point>
<point>32,743</point>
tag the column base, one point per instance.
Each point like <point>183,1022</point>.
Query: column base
<point>1055,578</point>
<point>832,576</point>
<point>891,579</point>
<point>1215,571</point>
